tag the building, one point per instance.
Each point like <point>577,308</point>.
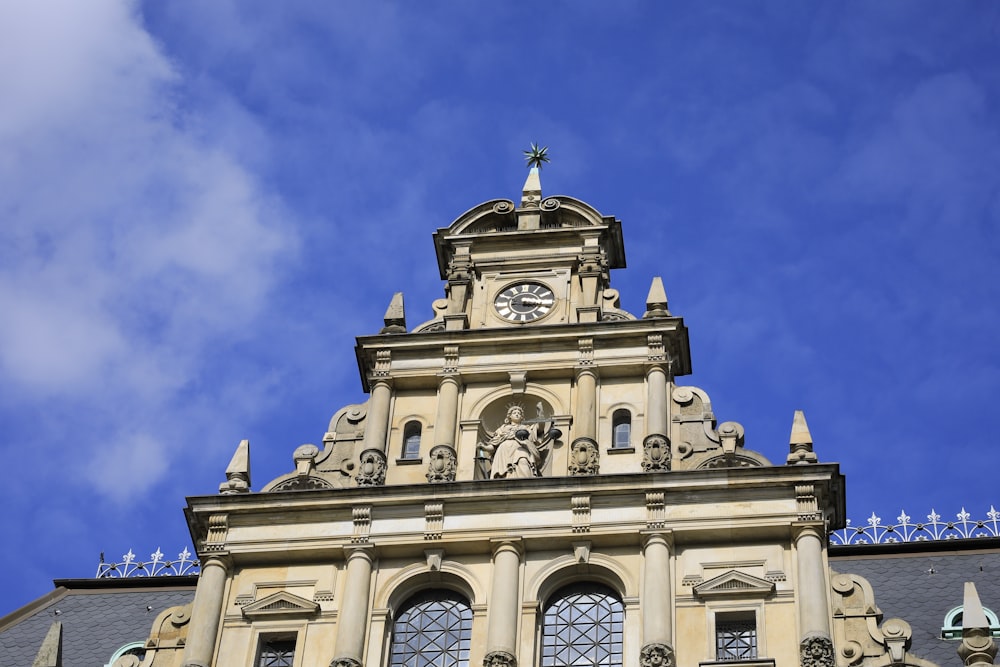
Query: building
<point>529,484</point>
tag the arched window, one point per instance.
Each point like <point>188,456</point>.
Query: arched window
<point>952,628</point>
<point>621,429</point>
<point>135,650</point>
<point>433,629</point>
<point>411,440</point>
<point>583,627</point>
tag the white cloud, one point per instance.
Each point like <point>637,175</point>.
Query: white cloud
<point>131,243</point>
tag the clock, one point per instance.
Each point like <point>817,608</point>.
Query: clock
<point>524,302</point>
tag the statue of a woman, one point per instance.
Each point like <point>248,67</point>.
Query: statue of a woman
<point>516,450</point>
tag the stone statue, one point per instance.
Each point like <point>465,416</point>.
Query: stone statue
<point>516,449</point>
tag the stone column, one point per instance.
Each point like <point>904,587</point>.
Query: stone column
<point>377,427</point>
<point>656,401</point>
<point>447,411</point>
<point>352,619</point>
<point>657,604</point>
<point>501,628</point>
<point>585,419</point>
<point>816,647</point>
<point>656,444</point>
<point>206,613</point>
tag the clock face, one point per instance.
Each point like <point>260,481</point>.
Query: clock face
<point>524,302</point>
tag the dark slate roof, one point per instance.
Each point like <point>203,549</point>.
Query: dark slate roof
<point>921,587</point>
<point>98,616</point>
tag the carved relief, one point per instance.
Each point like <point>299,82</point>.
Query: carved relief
<point>655,453</point>
<point>816,651</point>
<point>656,655</point>
<point>371,472</point>
<point>499,659</point>
<point>307,483</point>
<point>218,527</point>
<point>656,514</point>
<point>433,520</point>
<point>345,662</point>
<point>584,457</point>
<point>581,514</point>
<point>450,359</point>
<point>361,517</point>
<point>443,464</point>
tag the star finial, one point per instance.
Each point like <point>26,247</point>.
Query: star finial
<point>536,156</point>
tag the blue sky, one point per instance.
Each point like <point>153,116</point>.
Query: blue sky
<point>201,204</point>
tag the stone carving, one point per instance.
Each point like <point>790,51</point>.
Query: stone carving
<point>499,659</point>
<point>443,464</point>
<point>371,472</point>
<point>345,662</point>
<point>856,628</point>
<point>516,449</point>
<point>656,655</point>
<point>584,457</point>
<point>655,453</point>
<point>816,651</point>
<point>307,483</point>
<point>238,471</point>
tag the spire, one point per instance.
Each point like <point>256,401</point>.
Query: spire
<point>395,315</point>
<point>50,653</point>
<point>800,444</point>
<point>656,300</point>
<point>238,471</point>
<point>977,648</point>
<point>531,194</point>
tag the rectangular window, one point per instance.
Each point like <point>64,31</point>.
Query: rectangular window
<point>276,651</point>
<point>736,636</point>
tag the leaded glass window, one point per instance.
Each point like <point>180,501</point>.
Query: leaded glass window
<point>735,638</point>
<point>583,628</point>
<point>434,629</point>
<point>276,652</point>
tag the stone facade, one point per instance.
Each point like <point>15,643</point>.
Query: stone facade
<point>531,437</point>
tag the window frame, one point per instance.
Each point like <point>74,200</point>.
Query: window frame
<point>578,587</point>
<point>425,595</point>
<point>731,610</point>
<point>413,428</point>
<point>275,630</point>
<point>621,417</point>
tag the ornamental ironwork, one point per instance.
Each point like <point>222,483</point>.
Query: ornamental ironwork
<point>157,566</point>
<point>907,530</point>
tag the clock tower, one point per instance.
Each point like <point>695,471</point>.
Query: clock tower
<point>526,484</point>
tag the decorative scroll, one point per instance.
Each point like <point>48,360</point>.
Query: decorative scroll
<point>905,530</point>
<point>156,566</point>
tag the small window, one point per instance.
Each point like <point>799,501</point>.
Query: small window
<point>276,651</point>
<point>952,628</point>
<point>411,440</point>
<point>735,636</point>
<point>621,429</point>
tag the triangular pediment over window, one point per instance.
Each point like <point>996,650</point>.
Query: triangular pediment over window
<point>734,584</point>
<point>281,604</point>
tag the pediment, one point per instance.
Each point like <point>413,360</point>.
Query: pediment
<point>281,603</point>
<point>734,584</point>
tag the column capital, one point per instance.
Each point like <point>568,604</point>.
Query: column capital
<point>512,544</point>
<point>802,529</point>
<point>364,550</point>
<point>581,371</point>
<point>222,560</point>
<point>657,536</point>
